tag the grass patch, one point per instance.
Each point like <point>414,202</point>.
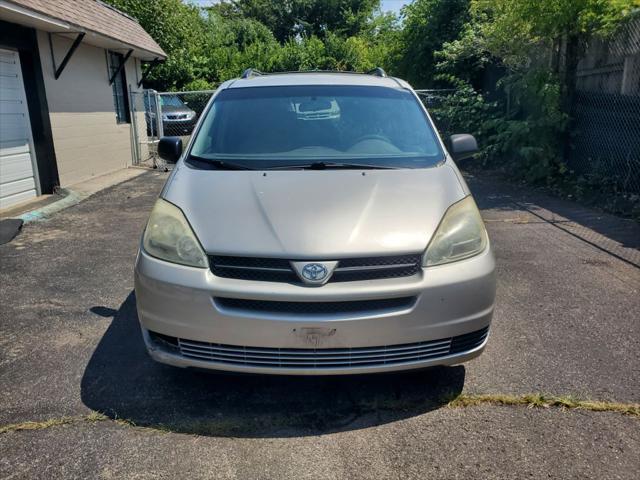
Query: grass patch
<point>92,417</point>
<point>538,400</point>
<point>96,417</point>
<point>52,422</point>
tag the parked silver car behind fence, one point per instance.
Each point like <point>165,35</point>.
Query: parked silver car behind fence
<point>315,224</point>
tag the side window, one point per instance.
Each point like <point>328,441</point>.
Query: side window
<point>119,86</point>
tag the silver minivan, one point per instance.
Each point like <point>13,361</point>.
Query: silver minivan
<point>315,224</point>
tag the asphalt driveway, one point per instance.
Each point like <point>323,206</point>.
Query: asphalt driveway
<point>567,324</point>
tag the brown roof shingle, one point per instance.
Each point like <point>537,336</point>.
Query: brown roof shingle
<point>97,17</point>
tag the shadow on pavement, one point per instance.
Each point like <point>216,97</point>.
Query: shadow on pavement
<point>121,381</point>
<point>617,236</point>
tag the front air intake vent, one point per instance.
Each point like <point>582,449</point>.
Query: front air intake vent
<point>317,308</point>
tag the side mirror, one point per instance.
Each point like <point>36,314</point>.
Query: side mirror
<point>170,149</point>
<point>462,146</point>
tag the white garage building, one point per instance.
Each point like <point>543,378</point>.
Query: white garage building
<point>67,69</point>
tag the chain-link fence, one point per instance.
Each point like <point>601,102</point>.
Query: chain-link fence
<point>606,139</point>
<point>605,133</point>
<point>158,114</point>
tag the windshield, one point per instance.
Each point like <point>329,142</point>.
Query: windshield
<point>171,101</point>
<point>276,127</point>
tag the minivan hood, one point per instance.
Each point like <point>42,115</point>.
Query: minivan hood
<point>309,214</point>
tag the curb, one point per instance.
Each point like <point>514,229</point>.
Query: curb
<point>70,199</point>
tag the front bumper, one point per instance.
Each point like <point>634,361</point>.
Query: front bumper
<point>447,302</point>
<point>178,127</point>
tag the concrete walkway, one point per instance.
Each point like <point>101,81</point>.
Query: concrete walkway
<point>45,206</point>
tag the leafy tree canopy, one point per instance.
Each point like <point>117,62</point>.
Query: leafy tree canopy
<point>428,24</point>
<point>512,29</point>
<point>210,45</point>
<point>177,28</point>
<point>435,41</point>
<point>291,18</point>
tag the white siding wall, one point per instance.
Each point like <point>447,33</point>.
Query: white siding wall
<point>87,139</point>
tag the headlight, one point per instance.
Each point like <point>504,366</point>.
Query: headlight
<point>461,234</point>
<point>169,237</point>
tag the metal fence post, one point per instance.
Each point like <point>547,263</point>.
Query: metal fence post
<point>159,115</point>
<point>134,126</point>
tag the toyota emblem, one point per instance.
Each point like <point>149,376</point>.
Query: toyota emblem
<point>314,272</point>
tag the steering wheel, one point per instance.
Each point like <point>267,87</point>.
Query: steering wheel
<point>372,136</point>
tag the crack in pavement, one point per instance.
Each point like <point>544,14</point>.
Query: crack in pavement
<point>534,400</point>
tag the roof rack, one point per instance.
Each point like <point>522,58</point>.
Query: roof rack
<point>378,72</point>
<point>252,72</point>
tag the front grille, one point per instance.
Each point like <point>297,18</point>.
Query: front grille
<point>347,270</point>
<point>253,268</point>
<point>318,358</point>
<point>316,308</point>
<point>374,268</point>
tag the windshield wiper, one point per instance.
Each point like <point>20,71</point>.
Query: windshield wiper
<point>330,165</point>
<point>218,164</point>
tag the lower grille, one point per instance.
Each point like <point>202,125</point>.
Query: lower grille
<point>322,358</point>
<point>347,270</point>
<point>318,308</point>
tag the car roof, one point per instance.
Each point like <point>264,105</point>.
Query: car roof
<point>317,78</point>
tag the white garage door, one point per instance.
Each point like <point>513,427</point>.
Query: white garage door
<point>18,180</point>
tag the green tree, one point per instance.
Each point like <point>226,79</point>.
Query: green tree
<point>280,19</point>
<point>428,24</point>
<point>347,18</point>
<point>235,43</point>
<point>210,45</point>
<point>291,18</point>
<point>518,30</point>
<point>178,29</point>
<point>525,127</point>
